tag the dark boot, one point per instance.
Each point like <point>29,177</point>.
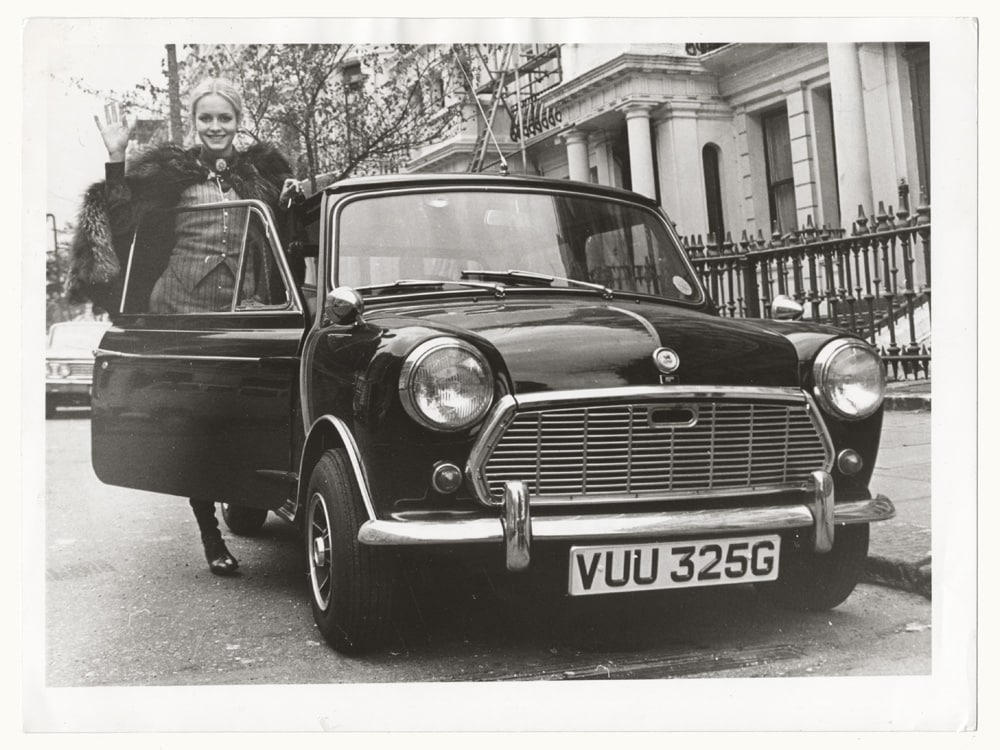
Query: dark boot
<point>220,560</point>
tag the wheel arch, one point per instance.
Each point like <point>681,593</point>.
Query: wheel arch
<point>330,433</point>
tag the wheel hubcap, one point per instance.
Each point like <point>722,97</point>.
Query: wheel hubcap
<point>319,552</point>
<point>320,559</point>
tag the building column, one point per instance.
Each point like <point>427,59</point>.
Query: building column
<point>853,168</point>
<point>682,192</point>
<point>640,148</point>
<point>803,167</point>
<point>883,118</point>
<point>577,155</point>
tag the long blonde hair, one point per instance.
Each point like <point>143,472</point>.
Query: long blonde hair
<point>222,87</point>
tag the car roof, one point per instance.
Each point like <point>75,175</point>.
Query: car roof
<point>476,180</point>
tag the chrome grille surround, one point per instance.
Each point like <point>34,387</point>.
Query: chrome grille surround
<point>650,444</point>
<point>79,370</point>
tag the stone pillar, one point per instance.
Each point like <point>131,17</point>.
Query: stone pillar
<point>577,155</point>
<point>853,168</point>
<point>682,192</point>
<point>803,167</point>
<point>883,119</point>
<point>640,148</point>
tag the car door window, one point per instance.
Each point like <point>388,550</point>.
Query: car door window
<point>205,259</point>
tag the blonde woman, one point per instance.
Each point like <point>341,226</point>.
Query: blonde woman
<point>197,270</point>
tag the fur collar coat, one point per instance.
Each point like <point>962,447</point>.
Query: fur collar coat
<point>154,181</point>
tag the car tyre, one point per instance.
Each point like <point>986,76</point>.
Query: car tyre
<point>50,408</point>
<point>808,581</point>
<point>351,585</point>
<point>244,521</point>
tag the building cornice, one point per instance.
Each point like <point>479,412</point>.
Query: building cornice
<point>455,147</point>
<point>627,64</point>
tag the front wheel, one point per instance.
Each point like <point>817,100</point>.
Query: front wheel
<point>809,581</point>
<point>350,584</point>
<point>243,521</point>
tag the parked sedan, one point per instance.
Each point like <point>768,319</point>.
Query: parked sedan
<point>69,363</point>
<point>524,370</point>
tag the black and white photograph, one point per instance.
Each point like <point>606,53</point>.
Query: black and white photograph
<point>473,374</point>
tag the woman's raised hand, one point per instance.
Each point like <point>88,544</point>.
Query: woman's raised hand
<point>291,191</point>
<point>116,136</point>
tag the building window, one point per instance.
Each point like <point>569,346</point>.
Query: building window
<point>778,160</point>
<point>353,77</point>
<point>435,88</point>
<point>826,156</point>
<point>713,191</point>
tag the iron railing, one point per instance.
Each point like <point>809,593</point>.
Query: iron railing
<point>876,281</point>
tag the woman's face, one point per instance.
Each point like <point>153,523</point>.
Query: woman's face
<point>216,122</point>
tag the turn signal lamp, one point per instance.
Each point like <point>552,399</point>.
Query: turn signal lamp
<point>849,462</point>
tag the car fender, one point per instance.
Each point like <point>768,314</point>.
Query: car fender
<point>330,433</point>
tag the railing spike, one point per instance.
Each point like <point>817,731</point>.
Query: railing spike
<point>881,219</point>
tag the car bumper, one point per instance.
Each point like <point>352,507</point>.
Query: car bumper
<point>517,530</point>
<point>67,388</point>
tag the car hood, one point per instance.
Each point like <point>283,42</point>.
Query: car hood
<point>69,352</point>
<point>572,342</point>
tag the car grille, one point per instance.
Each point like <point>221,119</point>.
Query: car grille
<point>81,369</point>
<point>661,450</point>
<point>77,370</point>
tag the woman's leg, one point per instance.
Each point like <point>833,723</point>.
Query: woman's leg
<point>220,560</point>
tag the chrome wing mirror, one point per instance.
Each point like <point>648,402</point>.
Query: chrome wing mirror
<point>343,306</point>
<point>784,307</point>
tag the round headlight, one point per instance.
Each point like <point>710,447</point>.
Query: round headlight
<point>446,384</point>
<point>850,379</point>
<point>63,371</point>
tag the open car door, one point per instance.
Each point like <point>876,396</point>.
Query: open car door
<point>201,403</point>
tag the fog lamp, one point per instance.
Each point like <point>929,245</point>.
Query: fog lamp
<point>446,477</point>
<point>849,462</point>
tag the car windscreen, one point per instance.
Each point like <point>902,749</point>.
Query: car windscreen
<point>82,336</point>
<point>438,235</point>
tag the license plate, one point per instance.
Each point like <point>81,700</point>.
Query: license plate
<point>620,568</point>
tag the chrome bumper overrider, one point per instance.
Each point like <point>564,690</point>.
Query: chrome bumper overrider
<point>517,529</point>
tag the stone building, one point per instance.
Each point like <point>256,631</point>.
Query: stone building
<point>726,137</point>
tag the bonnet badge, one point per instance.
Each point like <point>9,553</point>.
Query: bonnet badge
<point>666,360</point>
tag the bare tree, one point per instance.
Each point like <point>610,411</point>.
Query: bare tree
<point>343,109</point>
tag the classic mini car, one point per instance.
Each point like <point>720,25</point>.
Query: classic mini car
<point>521,369</point>
<point>69,363</point>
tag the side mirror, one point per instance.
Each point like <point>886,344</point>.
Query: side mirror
<point>343,306</point>
<point>784,307</point>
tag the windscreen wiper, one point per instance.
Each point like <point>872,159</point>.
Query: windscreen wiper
<point>530,277</point>
<point>405,284</point>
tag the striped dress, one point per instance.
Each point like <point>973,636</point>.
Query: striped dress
<point>201,273</point>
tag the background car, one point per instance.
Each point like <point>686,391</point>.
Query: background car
<point>69,363</point>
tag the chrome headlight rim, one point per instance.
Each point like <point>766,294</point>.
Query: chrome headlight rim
<point>411,365</point>
<point>821,371</point>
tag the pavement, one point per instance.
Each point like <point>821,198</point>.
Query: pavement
<point>899,553</point>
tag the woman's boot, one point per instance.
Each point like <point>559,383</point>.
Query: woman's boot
<point>220,560</point>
